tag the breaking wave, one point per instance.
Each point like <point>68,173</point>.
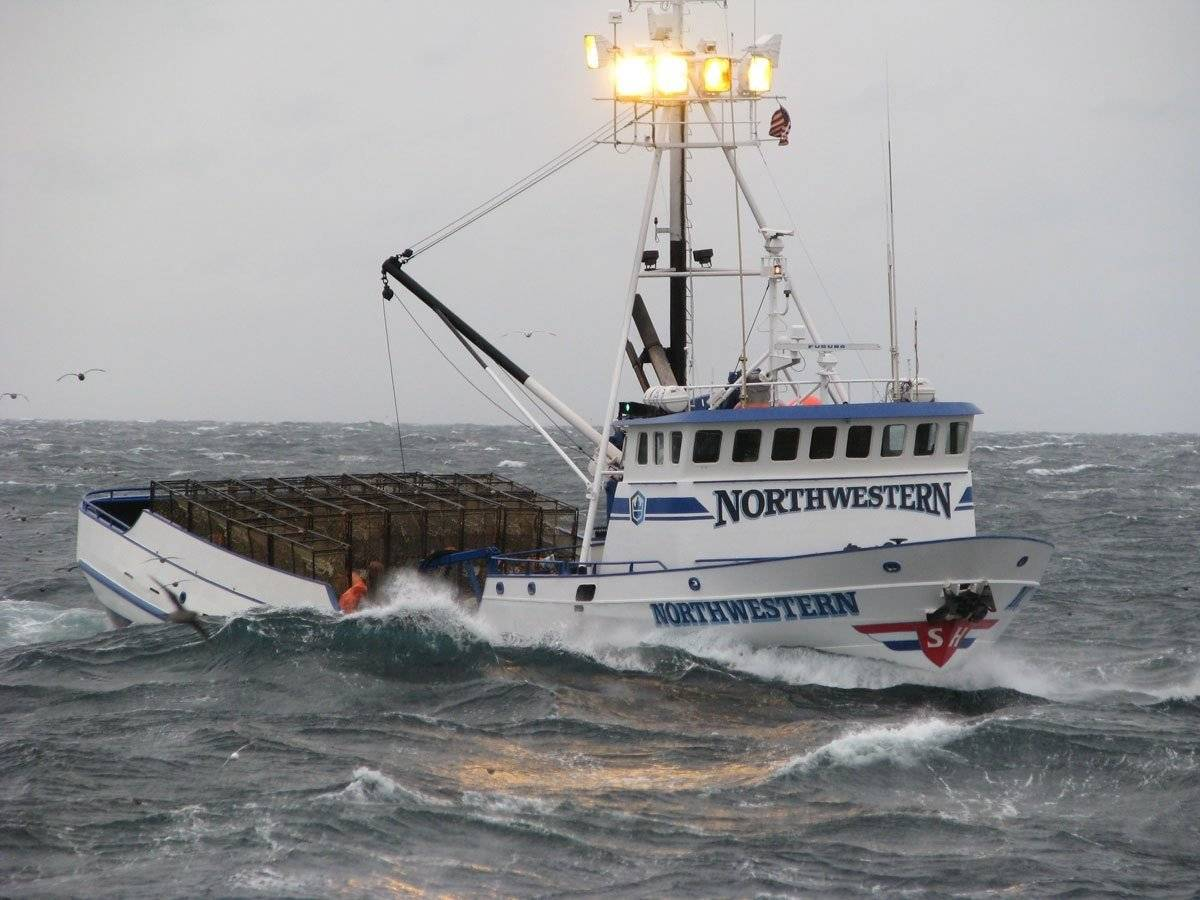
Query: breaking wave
<point>904,745</point>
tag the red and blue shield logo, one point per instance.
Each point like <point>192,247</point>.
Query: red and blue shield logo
<point>937,640</point>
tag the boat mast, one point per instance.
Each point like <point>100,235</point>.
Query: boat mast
<point>676,120</point>
<point>893,328</point>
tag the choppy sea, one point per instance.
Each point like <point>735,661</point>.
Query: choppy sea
<point>409,752</point>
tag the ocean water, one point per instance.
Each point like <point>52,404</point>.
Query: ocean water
<point>409,752</point>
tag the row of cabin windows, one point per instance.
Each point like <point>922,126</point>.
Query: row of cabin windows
<point>785,443</point>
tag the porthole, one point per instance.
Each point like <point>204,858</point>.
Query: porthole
<point>694,583</point>
<point>499,587</point>
<point>183,595</point>
<point>891,567</point>
<point>532,588</point>
<point>1022,561</point>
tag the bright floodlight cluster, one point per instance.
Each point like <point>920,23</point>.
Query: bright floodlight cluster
<point>645,74</point>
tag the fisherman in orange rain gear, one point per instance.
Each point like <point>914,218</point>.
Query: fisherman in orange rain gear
<point>364,586</point>
<point>353,595</point>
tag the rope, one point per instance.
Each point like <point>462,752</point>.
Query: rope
<point>392,372</point>
<point>476,387</point>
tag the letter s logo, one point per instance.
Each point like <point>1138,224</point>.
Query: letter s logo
<point>935,637</point>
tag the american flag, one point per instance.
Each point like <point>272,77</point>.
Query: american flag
<point>781,126</point>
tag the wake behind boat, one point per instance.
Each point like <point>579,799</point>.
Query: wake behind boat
<point>829,513</point>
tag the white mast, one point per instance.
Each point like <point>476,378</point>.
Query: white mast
<point>893,329</point>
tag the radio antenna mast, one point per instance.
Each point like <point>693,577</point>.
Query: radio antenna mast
<point>891,255</point>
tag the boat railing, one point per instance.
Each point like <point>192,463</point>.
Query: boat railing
<point>563,561</point>
<point>789,392</point>
<point>90,505</point>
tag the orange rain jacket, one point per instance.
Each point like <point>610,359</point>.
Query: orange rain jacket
<point>353,595</point>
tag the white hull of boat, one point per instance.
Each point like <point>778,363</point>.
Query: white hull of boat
<point>868,603</point>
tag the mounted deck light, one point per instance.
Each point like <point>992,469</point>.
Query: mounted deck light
<point>670,74</point>
<point>650,259</point>
<point>703,258</point>
<point>633,76</point>
<point>597,50</point>
<point>757,70</point>
<point>716,75</point>
<point>756,75</point>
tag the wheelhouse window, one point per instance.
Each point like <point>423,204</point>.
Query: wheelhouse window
<point>858,441</point>
<point>926,439</point>
<point>746,442</point>
<point>658,448</point>
<point>893,440</point>
<point>706,448</point>
<point>676,446</point>
<point>822,442</point>
<point>785,444</point>
<point>956,438</point>
<point>642,456</point>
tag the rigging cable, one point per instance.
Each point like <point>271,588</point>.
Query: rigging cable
<point>477,388</point>
<point>575,151</point>
<point>392,372</point>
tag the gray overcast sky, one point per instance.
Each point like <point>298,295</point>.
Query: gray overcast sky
<point>197,197</point>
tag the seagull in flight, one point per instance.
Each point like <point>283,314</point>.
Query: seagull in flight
<point>80,375</point>
<point>179,615</point>
<point>530,334</point>
<point>12,396</point>
<point>236,754</point>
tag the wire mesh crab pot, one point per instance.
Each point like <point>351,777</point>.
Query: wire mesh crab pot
<point>326,526</point>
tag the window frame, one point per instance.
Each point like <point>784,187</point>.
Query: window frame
<point>870,439</point>
<point>795,447</point>
<point>643,448</point>
<point>822,429</point>
<point>720,445</point>
<point>966,433</point>
<point>884,444</point>
<point>756,434</point>
<point>932,440</point>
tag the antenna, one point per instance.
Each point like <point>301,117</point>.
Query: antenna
<point>916,352</point>
<point>891,251</point>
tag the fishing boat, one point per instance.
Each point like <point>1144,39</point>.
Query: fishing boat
<point>775,509</point>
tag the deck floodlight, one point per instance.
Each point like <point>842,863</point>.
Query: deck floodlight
<point>670,74</point>
<point>716,75</point>
<point>650,259</point>
<point>597,50</point>
<point>756,75</point>
<point>634,75</point>
<point>703,258</point>
<point>757,70</point>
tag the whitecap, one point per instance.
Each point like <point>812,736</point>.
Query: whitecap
<point>369,785</point>
<point>1072,470</point>
<point>510,464</point>
<point>905,745</point>
<point>32,622</point>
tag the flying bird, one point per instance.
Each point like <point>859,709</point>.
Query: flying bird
<point>236,754</point>
<point>12,396</point>
<point>80,375</point>
<point>179,615</point>
<point>530,334</point>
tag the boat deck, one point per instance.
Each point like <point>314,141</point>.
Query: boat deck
<point>325,526</point>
